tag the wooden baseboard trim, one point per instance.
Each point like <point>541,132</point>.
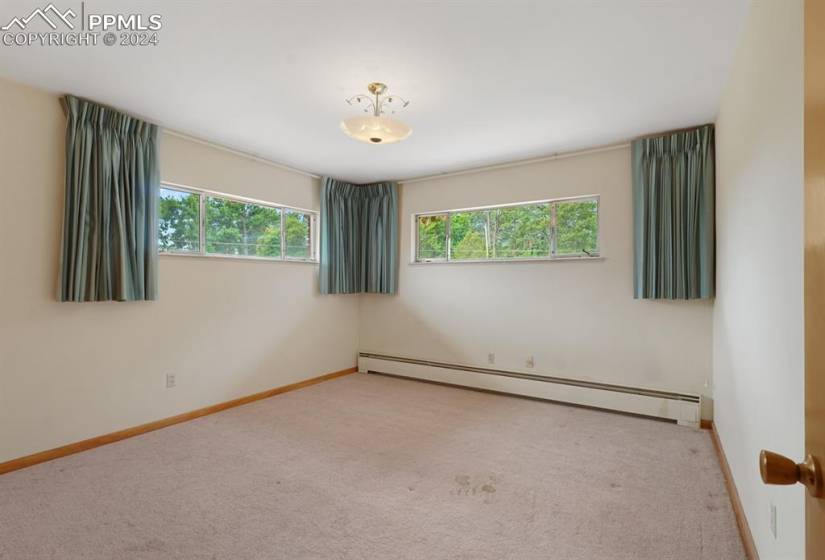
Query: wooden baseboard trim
<point>706,424</point>
<point>77,447</point>
<point>738,510</point>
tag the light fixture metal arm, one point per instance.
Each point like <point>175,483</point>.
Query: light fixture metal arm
<point>377,100</point>
<point>390,99</point>
<point>369,106</point>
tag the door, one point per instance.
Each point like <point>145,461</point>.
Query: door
<point>776,469</point>
<point>815,265</point>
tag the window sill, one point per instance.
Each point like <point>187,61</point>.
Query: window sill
<point>237,258</point>
<point>511,261</point>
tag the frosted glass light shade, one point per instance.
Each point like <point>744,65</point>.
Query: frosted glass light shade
<point>375,130</point>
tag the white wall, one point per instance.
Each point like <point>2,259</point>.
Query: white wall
<point>758,316</point>
<point>227,328</point>
<point>578,318</point>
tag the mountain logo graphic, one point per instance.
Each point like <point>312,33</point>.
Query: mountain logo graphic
<point>49,14</point>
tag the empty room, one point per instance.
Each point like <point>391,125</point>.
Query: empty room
<point>412,280</point>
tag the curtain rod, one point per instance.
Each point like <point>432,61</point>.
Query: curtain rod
<point>248,155</point>
<point>505,165</point>
<point>672,131</point>
<point>183,135</point>
<point>550,157</point>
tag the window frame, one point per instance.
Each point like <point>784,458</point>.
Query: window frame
<point>203,194</point>
<point>551,224</point>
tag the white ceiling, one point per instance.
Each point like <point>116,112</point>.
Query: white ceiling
<point>489,82</point>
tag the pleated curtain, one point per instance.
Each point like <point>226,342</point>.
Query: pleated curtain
<point>359,237</point>
<point>673,198</point>
<point>109,248</point>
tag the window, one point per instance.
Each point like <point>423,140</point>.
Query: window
<point>521,231</point>
<point>202,223</point>
<point>298,234</point>
<point>470,236</point>
<point>552,229</point>
<point>178,222</point>
<point>242,228</point>
<point>577,227</point>
<point>432,237</point>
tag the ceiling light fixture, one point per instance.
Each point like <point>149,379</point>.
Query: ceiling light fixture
<point>376,128</point>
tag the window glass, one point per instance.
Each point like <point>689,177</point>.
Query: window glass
<point>432,237</point>
<point>298,235</point>
<point>577,227</point>
<point>470,235</point>
<point>242,228</point>
<point>521,231</point>
<point>178,221</point>
<point>538,230</point>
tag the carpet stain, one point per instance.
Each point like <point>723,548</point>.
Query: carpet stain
<point>480,485</point>
<point>150,545</point>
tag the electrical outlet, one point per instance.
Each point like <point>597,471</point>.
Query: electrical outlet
<point>773,519</point>
<point>491,358</point>
<point>530,362</point>
<point>170,380</point>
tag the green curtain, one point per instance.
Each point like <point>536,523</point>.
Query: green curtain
<point>359,237</point>
<point>673,200</point>
<point>109,250</point>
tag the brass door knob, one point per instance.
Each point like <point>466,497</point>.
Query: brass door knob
<point>778,469</point>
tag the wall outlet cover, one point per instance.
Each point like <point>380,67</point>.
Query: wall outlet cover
<point>773,519</point>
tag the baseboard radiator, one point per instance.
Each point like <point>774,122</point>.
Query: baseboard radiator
<point>680,408</point>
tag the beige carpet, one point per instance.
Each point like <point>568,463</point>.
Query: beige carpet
<point>372,467</point>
